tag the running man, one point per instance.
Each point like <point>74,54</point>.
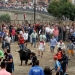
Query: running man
<point>42,44</point>
<point>53,43</point>
<point>71,49</point>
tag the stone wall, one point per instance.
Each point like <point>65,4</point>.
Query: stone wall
<point>29,15</point>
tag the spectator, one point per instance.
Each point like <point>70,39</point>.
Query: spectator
<point>64,32</point>
<point>56,33</point>
<point>26,37</point>
<point>47,71</point>
<point>13,33</point>
<point>51,31</point>
<point>64,62</point>
<point>33,58</point>
<point>47,30</point>
<point>67,32</point>
<point>59,55</point>
<point>30,31</point>
<point>36,70</point>
<point>8,41</point>
<point>74,33</point>
<point>71,49</point>
<point>1,55</point>
<point>21,42</point>
<point>3,39</point>
<point>3,69</point>
<point>61,45</point>
<point>42,44</point>
<point>9,61</point>
<point>58,68</point>
<point>53,43</point>
<point>34,37</point>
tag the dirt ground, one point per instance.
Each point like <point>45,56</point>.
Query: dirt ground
<point>46,60</point>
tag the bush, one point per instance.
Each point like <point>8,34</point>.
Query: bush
<point>5,18</point>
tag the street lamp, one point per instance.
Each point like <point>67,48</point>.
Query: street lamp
<point>34,1</point>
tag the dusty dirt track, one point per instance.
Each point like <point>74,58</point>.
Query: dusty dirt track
<point>46,60</point>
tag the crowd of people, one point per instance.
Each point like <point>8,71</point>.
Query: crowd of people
<point>37,35</point>
<point>29,5</point>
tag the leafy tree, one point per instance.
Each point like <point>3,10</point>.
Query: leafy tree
<point>62,7</point>
<point>5,18</point>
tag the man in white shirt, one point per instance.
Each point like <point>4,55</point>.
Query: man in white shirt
<point>25,35</point>
<point>61,45</point>
<point>51,31</point>
<point>47,30</point>
<point>8,41</point>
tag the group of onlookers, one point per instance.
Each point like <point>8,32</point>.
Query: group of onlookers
<point>38,34</point>
<point>32,33</point>
<point>24,6</point>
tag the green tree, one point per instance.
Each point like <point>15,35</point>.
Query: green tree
<point>62,7</point>
<point>5,18</point>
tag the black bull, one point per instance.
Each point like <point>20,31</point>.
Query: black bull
<point>24,55</point>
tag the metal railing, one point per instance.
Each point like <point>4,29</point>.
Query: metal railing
<point>24,10</point>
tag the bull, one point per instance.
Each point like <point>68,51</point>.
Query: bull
<point>24,55</point>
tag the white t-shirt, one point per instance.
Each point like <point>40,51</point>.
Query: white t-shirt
<point>25,35</point>
<point>51,31</point>
<point>61,45</point>
<point>8,39</point>
<point>47,29</point>
<point>20,32</point>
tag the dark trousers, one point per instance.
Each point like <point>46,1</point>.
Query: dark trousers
<point>48,37</point>
<point>64,35</point>
<point>7,45</point>
<point>60,37</point>
<point>64,68</point>
<point>59,73</point>
<point>3,44</point>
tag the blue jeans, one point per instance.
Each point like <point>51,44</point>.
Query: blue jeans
<point>56,37</point>
<point>52,47</point>
<point>60,37</point>
<point>7,45</point>
<point>34,41</point>
<point>21,46</point>
<point>3,44</point>
<point>13,39</point>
